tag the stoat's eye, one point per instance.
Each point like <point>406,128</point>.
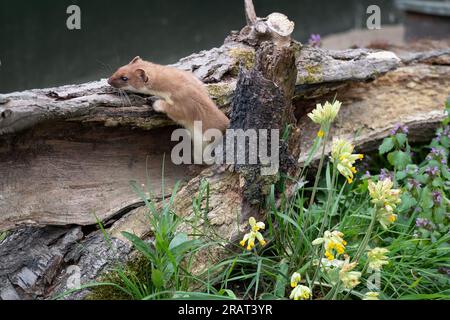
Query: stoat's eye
<point>124,79</point>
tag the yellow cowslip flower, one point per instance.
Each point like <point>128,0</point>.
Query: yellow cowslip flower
<point>324,115</point>
<point>371,296</point>
<point>385,200</point>
<point>295,279</point>
<point>386,218</point>
<point>254,234</point>
<point>341,155</point>
<point>349,278</point>
<point>256,226</point>
<point>383,195</point>
<point>300,293</point>
<point>333,243</point>
<point>329,265</point>
<point>321,133</point>
<point>377,259</point>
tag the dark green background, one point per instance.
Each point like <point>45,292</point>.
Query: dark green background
<point>37,50</point>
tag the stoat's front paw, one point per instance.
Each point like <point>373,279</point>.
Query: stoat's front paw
<point>158,106</point>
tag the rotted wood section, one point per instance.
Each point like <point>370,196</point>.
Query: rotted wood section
<point>63,173</point>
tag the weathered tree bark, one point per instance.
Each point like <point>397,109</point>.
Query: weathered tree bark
<point>262,101</point>
<point>38,263</point>
<point>67,153</point>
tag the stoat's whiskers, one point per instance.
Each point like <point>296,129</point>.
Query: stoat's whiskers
<point>124,98</point>
<point>127,101</point>
<point>105,66</point>
<point>121,93</point>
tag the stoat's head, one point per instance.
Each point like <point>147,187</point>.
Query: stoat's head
<point>132,76</point>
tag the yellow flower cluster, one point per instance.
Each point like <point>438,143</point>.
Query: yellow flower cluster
<point>377,258</point>
<point>254,234</point>
<point>295,279</point>
<point>349,278</point>
<point>341,155</point>
<point>329,265</point>
<point>371,296</point>
<point>333,243</point>
<point>385,200</point>
<point>299,292</point>
<point>325,114</point>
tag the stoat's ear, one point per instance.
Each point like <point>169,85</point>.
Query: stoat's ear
<point>142,75</point>
<point>136,59</point>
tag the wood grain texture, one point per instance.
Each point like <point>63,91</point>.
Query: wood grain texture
<point>67,173</point>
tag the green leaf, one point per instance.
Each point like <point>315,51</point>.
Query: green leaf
<point>445,141</point>
<point>282,279</point>
<point>439,215</point>
<point>400,175</point>
<point>415,283</point>
<point>408,201</point>
<point>433,163</point>
<point>421,178</point>
<point>328,177</point>
<point>412,169</point>
<point>399,159</point>
<point>447,108</point>
<point>437,183</point>
<point>401,139</point>
<point>313,151</point>
<point>187,246</point>
<point>445,173</point>
<point>140,245</point>
<point>178,240</point>
<point>426,199</point>
<point>157,278</point>
<point>387,145</point>
<point>227,293</point>
<point>432,296</point>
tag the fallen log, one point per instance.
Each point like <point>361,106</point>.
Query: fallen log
<point>96,102</point>
<point>44,126</point>
<point>55,140</point>
<point>81,144</point>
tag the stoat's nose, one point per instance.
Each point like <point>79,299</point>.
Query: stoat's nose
<point>110,81</point>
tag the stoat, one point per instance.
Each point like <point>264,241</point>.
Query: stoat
<point>183,97</point>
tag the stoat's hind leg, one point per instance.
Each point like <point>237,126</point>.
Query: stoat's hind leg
<point>201,144</point>
<point>198,145</point>
<point>212,151</point>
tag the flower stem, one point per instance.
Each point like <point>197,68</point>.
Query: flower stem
<point>325,221</point>
<point>367,237</point>
<point>319,169</point>
<point>336,291</point>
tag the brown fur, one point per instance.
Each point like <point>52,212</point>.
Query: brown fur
<point>184,97</point>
